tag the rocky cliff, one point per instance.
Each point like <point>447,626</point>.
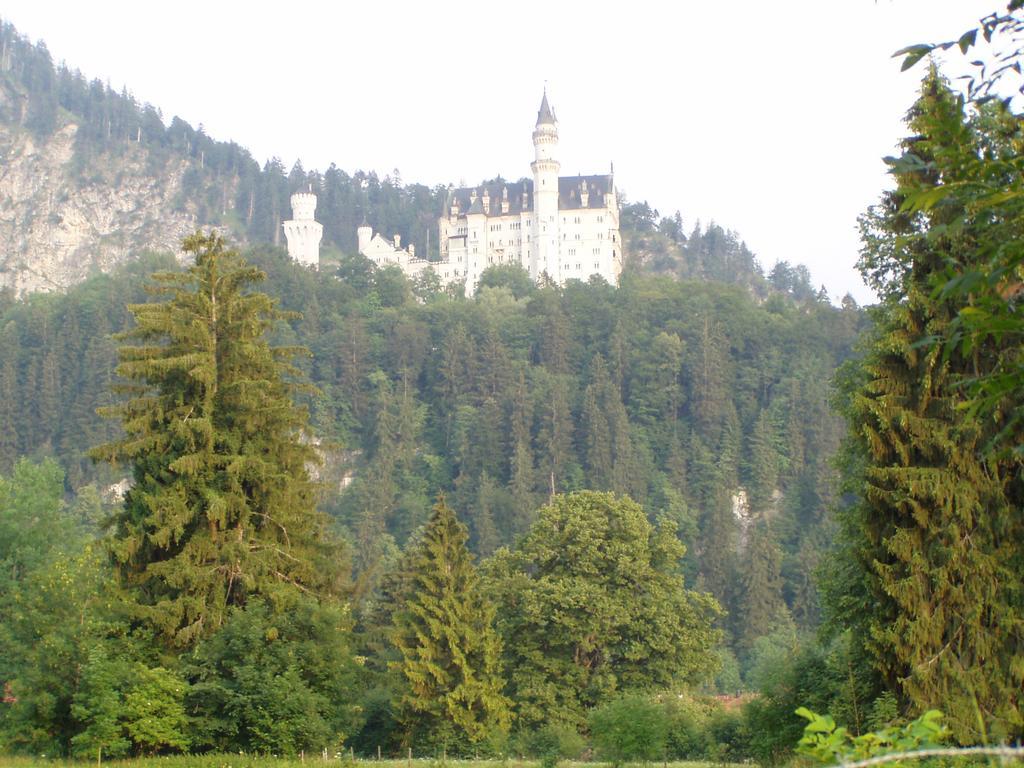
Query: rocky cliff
<point>63,217</point>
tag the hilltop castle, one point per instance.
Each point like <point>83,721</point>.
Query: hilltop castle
<point>557,227</point>
<point>303,232</point>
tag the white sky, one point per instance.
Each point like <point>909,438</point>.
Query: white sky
<point>770,118</point>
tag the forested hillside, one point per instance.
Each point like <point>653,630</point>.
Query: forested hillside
<point>693,398</point>
<point>699,388</point>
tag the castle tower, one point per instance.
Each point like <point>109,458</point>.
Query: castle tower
<point>544,253</point>
<point>364,234</point>
<point>303,231</point>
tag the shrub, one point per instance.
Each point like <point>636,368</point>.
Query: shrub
<point>551,743</point>
<point>728,737</point>
<point>629,728</point>
<point>687,737</point>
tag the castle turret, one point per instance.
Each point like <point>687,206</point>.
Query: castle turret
<point>544,253</point>
<point>364,234</point>
<point>303,231</point>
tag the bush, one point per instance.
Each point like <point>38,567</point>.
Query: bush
<point>688,737</point>
<point>629,728</point>
<point>551,743</point>
<point>275,681</point>
<point>728,737</point>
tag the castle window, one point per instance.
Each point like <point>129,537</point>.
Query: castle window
<point>600,219</point>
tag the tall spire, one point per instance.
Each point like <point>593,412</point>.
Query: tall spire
<point>544,114</point>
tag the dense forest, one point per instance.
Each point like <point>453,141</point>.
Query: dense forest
<point>246,505</point>
<point>706,405</point>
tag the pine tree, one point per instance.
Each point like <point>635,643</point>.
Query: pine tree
<point>521,469</point>
<point>935,541</point>
<point>597,430</point>
<point>760,600</point>
<point>450,652</point>
<point>763,463</point>
<point>555,436</point>
<point>9,354</point>
<point>222,506</point>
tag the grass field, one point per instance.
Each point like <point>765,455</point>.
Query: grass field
<point>254,761</point>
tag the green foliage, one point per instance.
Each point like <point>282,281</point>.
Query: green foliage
<point>451,655</point>
<point>485,399</point>
<point>986,197</point>
<point>222,507</point>
<point>831,745</point>
<point>275,681</point>
<point>630,728</point>
<point>122,705</point>
<point>792,672</point>
<point>592,601</point>
<point>729,737</point>
<point>929,576</point>
<point>51,580</point>
<point>687,737</point>
<point>514,277</point>
<point>551,743</point>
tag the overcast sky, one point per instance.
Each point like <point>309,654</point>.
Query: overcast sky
<point>770,118</point>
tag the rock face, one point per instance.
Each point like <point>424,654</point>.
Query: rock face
<point>63,218</point>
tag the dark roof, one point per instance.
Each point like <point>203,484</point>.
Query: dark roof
<point>569,195</point>
<point>570,188</point>
<point>463,196</point>
<point>544,114</point>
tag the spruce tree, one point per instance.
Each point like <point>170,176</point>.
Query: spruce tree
<point>222,506</point>
<point>760,602</point>
<point>935,593</point>
<point>450,653</point>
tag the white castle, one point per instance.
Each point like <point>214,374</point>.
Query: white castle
<point>557,227</point>
<point>303,231</point>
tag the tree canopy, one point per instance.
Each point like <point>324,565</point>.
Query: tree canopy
<point>591,602</point>
<point>222,506</point>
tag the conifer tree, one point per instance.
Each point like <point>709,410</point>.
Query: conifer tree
<point>935,594</point>
<point>8,396</point>
<point>555,437</point>
<point>222,506</point>
<point>760,601</point>
<point>451,655</point>
<point>521,470</point>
